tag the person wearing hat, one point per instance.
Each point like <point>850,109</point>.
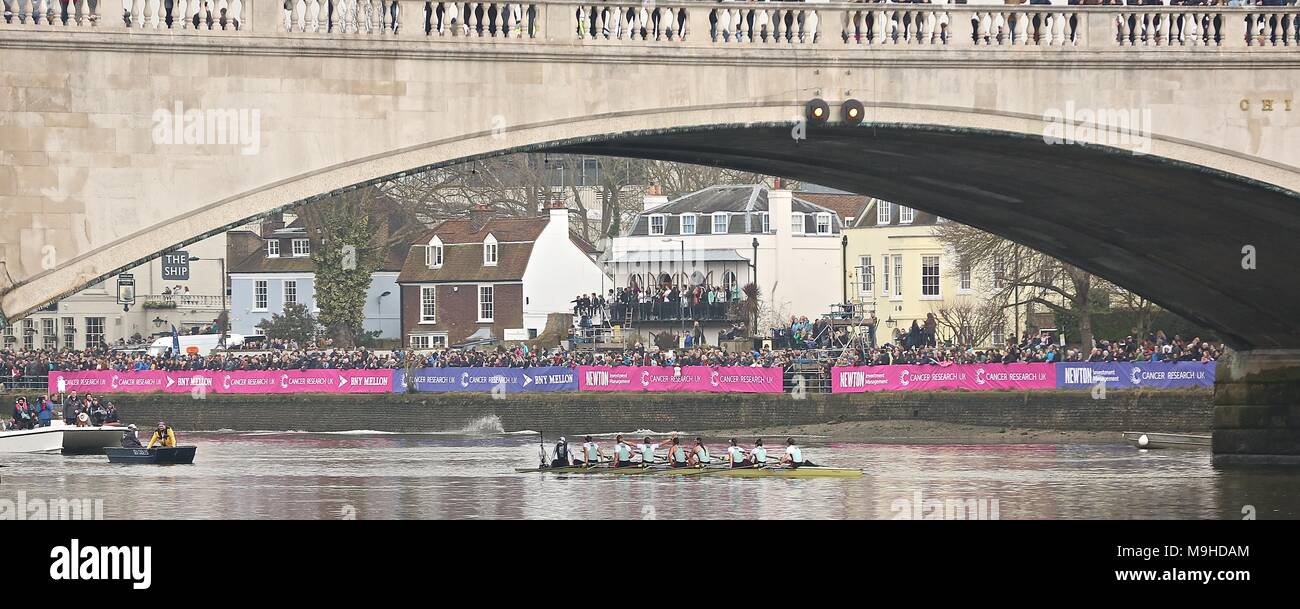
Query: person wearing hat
<point>163,436</point>
<point>129,439</point>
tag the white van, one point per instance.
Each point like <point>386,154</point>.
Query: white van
<point>201,344</point>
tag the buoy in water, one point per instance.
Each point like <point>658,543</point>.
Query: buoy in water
<point>1143,441</point>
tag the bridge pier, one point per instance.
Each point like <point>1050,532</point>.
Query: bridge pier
<point>1257,408</point>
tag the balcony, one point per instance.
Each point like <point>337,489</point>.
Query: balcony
<point>189,302</point>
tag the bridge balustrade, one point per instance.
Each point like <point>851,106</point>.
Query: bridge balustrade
<point>710,24</point>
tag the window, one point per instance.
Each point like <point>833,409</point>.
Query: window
<point>964,281</point>
<point>823,224</point>
<point>428,305</point>
<point>906,215</point>
<point>929,276</point>
<point>796,223</point>
<point>884,275</point>
<point>301,247</point>
<point>69,332</point>
<point>485,297</point>
<point>688,224</point>
<point>49,332</point>
<point>729,282</point>
<point>656,225</point>
<point>866,275</point>
<point>429,341</point>
<point>29,334</point>
<point>259,296</point>
<point>94,331</point>
<point>290,292</point>
<point>419,341</point>
<point>433,255</point>
<point>765,221</point>
<point>898,275</point>
<point>9,335</point>
<point>720,220</point>
<point>999,275</point>
<point>490,251</point>
<point>272,248</point>
<point>883,210</point>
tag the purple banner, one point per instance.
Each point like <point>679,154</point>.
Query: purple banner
<point>724,379</point>
<point>510,380</point>
<point>966,377</point>
<point>1124,375</point>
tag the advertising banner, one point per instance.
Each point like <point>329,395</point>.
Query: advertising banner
<point>435,380</point>
<point>723,379</point>
<point>966,377</point>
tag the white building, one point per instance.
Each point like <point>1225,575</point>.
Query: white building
<point>713,237</point>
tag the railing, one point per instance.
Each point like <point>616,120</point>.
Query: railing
<point>183,301</point>
<point>709,24</point>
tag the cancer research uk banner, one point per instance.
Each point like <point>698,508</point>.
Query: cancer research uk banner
<point>1150,375</point>
<point>483,380</point>
<point>209,381</point>
<point>723,379</point>
<point>968,377</point>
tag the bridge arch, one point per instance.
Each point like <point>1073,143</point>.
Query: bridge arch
<point>1168,239</point>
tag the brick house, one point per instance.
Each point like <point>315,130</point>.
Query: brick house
<point>496,277</point>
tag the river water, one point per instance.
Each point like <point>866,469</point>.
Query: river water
<point>374,475</point>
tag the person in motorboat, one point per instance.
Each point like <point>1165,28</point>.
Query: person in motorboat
<point>129,438</point>
<point>162,436</point>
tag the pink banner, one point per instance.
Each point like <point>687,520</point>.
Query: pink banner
<point>259,381</point>
<point>967,377</point>
<point>727,379</point>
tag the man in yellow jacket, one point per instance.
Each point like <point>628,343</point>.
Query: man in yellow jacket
<point>163,436</point>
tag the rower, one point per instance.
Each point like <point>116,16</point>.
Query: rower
<point>736,455</point>
<point>563,456</point>
<point>700,454</point>
<point>758,456</point>
<point>793,456</point>
<point>647,450</point>
<point>676,454</point>
<point>622,452</point>
<point>163,436</point>
<point>591,453</point>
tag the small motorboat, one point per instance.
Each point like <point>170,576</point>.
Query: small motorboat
<point>1147,439</point>
<point>158,455</point>
<point>60,438</point>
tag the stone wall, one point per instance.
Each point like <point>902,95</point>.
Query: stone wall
<point>571,413</point>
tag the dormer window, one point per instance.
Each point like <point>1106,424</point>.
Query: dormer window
<point>301,247</point>
<point>657,224</point>
<point>720,220</point>
<point>433,254</point>
<point>796,223</point>
<point>688,224</point>
<point>490,251</point>
<point>883,212</point>
<point>272,248</point>
<point>823,224</point>
<point>906,215</point>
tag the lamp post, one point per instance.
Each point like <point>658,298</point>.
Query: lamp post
<point>844,267</point>
<point>754,264</point>
<point>225,309</point>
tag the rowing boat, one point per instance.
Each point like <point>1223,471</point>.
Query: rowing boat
<point>724,471</point>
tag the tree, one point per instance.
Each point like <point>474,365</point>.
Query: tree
<point>1023,276</point>
<point>345,258</point>
<point>748,307</point>
<point>295,324</point>
<point>969,321</point>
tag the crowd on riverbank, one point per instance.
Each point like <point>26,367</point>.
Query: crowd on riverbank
<point>1157,347</point>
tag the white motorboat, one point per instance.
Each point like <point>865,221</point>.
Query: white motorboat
<point>59,437</point>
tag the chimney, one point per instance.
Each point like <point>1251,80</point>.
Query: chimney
<point>272,223</point>
<point>559,215</point>
<point>479,216</point>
